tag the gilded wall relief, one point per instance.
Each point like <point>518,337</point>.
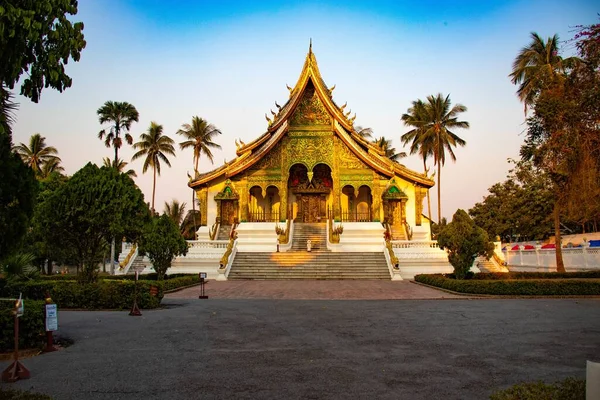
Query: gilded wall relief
<point>347,159</point>
<point>310,151</point>
<point>311,110</point>
<point>271,160</point>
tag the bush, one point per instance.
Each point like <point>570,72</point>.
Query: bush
<point>569,389</point>
<point>536,275</point>
<point>175,283</point>
<point>524,287</point>
<point>12,394</point>
<point>129,277</point>
<point>107,294</point>
<point>31,325</point>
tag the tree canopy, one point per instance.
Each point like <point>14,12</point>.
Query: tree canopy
<point>162,242</point>
<point>37,37</point>
<point>93,206</point>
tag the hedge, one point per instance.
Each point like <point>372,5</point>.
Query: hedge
<point>524,287</point>
<point>15,394</point>
<point>106,294</point>
<point>536,275</point>
<point>569,389</point>
<point>31,325</point>
<point>129,277</point>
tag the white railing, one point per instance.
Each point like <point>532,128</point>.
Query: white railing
<point>207,244</point>
<point>575,258</point>
<point>415,244</point>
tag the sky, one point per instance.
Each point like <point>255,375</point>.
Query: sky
<point>229,61</point>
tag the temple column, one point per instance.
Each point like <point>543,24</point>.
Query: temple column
<point>244,196</point>
<point>202,196</point>
<point>418,204</point>
<point>283,206</point>
<point>376,195</point>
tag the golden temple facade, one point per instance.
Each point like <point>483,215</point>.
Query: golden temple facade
<point>311,165</point>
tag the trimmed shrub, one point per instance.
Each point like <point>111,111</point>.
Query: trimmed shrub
<point>31,325</point>
<point>14,394</point>
<point>569,389</point>
<point>174,283</point>
<point>525,287</point>
<point>107,294</point>
<point>536,275</point>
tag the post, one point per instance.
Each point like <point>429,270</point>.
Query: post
<point>16,370</point>
<point>278,245</point>
<point>135,310</point>
<point>51,322</point>
<point>202,277</point>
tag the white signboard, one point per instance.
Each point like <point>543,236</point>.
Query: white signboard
<point>51,318</point>
<point>20,306</point>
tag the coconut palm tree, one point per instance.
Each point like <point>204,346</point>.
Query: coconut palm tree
<point>37,153</point>
<point>414,117</point>
<point>199,135</point>
<point>154,146</point>
<point>189,223</point>
<point>50,166</point>
<point>120,166</point>
<point>120,116</point>
<point>538,67</point>
<point>436,117</point>
<point>175,211</point>
<point>365,133</point>
<point>386,146</point>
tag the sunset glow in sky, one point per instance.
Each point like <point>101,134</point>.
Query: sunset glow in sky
<point>229,61</point>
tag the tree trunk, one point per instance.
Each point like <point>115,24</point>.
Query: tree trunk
<point>116,148</point>
<point>112,256</point>
<point>196,168</point>
<point>153,189</point>
<point>560,266</point>
<point>439,193</point>
<point>428,200</point>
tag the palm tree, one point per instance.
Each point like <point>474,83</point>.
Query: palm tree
<point>154,145</point>
<point>120,115</point>
<point>435,119</point>
<point>50,166</point>
<point>189,223</point>
<point>199,135</point>
<point>175,211</point>
<point>414,117</point>
<point>38,153</point>
<point>364,133</point>
<point>120,166</point>
<point>386,146</point>
<point>538,67</point>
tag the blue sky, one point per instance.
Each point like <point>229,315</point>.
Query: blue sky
<point>229,61</point>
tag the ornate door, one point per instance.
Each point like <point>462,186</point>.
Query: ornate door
<point>393,212</point>
<point>311,207</point>
<point>228,212</point>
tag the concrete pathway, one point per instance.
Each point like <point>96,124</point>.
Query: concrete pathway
<point>293,349</point>
<point>315,290</point>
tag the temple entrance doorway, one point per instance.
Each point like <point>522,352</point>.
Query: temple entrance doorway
<point>311,207</point>
<point>309,192</point>
<point>228,212</point>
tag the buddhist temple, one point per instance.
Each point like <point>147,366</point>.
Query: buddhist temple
<point>311,165</point>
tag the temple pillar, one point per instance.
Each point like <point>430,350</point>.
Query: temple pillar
<point>202,196</point>
<point>244,197</point>
<point>376,195</point>
<point>283,206</point>
<point>419,195</point>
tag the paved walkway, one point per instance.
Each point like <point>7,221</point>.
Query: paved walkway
<point>294,349</point>
<point>315,290</point>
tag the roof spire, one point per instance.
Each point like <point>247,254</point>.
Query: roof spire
<point>310,47</point>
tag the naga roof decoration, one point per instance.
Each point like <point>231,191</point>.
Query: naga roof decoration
<point>250,153</point>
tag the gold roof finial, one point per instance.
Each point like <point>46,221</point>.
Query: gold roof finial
<point>310,47</point>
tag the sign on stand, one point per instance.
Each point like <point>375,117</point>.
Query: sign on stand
<point>51,318</point>
<point>20,306</point>
<point>202,276</point>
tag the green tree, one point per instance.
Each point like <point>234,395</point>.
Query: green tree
<point>365,133</point>
<point>437,117</point>
<point>20,267</point>
<point>176,211</point>
<point>49,167</point>
<point>200,135</point>
<point>120,116</point>
<point>38,38</point>
<point>17,183</point>
<point>154,146</point>
<point>37,154</point>
<point>415,117</point>
<point>162,242</point>
<point>119,166</point>
<point>189,224</point>
<point>93,206</point>
<point>464,242</point>
<point>540,73</point>
<point>386,146</point>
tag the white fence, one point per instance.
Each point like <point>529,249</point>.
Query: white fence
<point>538,259</point>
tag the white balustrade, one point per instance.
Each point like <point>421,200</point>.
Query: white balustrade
<point>415,244</point>
<point>574,258</point>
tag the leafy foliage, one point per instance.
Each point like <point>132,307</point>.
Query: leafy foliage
<point>120,116</point>
<point>155,146</point>
<point>20,267</point>
<point>464,241</point>
<point>386,146</point>
<point>38,154</point>
<point>31,326</point>
<point>518,208</point>
<point>119,166</point>
<point>162,242</point>
<point>38,38</point>
<point>175,210</point>
<point>519,287</point>
<point>94,205</point>
<point>569,389</point>
<point>200,135</point>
